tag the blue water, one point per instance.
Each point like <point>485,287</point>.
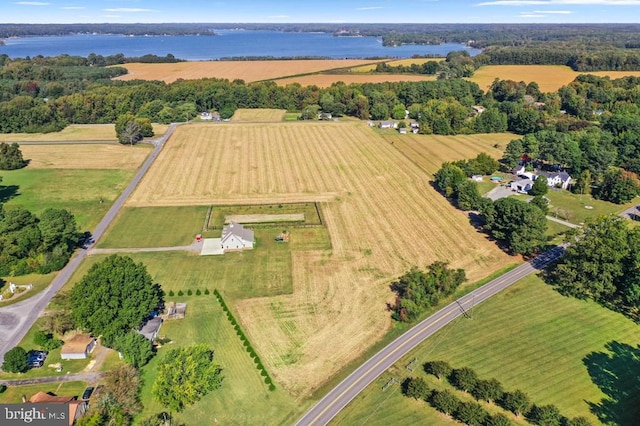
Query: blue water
<point>229,43</point>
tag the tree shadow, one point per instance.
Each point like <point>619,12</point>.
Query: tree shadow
<point>8,192</point>
<point>617,374</point>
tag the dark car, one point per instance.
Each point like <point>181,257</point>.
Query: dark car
<point>87,393</point>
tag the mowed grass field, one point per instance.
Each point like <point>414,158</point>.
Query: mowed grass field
<point>430,151</point>
<point>244,70</point>
<point>395,63</point>
<point>87,156</point>
<point>87,194</point>
<point>549,77</point>
<point>370,193</point>
<point>530,338</point>
<point>13,394</point>
<point>258,114</point>
<point>243,399</point>
<point>76,133</point>
<point>326,80</point>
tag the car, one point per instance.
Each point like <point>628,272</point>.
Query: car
<point>35,363</point>
<point>38,355</point>
<point>87,392</point>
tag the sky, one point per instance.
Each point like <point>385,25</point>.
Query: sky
<point>334,11</point>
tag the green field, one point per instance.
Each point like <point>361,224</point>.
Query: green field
<point>530,338</point>
<point>243,399</point>
<point>575,204</point>
<point>78,191</point>
<point>310,211</point>
<point>13,394</point>
<point>40,282</point>
<point>154,227</point>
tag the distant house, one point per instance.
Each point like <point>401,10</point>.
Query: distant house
<point>236,237</point>
<point>477,178</point>
<point>518,170</point>
<point>151,328</point>
<point>522,185</point>
<point>388,125</point>
<point>79,347</point>
<point>539,105</point>
<point>206,116</point>
<point>557,179</point>
<point>402,130</point>
<point>77,409</point>
<point>324,116</point>
<point>478,109</point>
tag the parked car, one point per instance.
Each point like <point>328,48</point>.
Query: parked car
<point>36,358</point>
<point>87,392</point>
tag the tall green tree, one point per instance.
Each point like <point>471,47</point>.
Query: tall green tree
<point>114,297</point>
<point>520,225</point>
<point>11,157</point>
<point>15,360</point>
<point>471,413</point>
<point>445,401</point>
<point>135,348</point>
<point>449,178</point>
<point>185,375</point>
<point>517,402</point>
<point>440,369</point>
<point>539,186</point>
<point>417,388</point>
<point>618,186</point>
<point>464,379</point>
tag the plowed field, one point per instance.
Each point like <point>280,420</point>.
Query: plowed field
<point>379,208</point>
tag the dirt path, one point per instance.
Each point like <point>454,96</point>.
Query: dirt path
<point>90,378</point>
<point>195,247</point>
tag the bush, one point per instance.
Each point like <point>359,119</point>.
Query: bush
<point>206,291</point>
<point>171,293</point>
<point>189,292</point>
<point>445,401</point>
<point>417,388</point>
<point>440,369</point>
<point>16,361</point>
<point>464,379</point>
<point>180,293</point>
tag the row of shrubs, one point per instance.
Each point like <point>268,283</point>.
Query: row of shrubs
<point>189,292</point>
<point>245,342</point>
<point>465,379</point>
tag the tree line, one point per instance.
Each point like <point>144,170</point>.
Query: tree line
<point>466,381</point>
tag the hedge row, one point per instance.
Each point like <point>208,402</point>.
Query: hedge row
<point>189,292</point>
<point>245,341</point>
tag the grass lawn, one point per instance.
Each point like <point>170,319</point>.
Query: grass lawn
<point>13,394</point>
<point>79,191</point>
<point>147,227</point>
<point>555,228</point>
<point>39,282</point>
<point>243,397</point>
<point>575,204</point>
<point>310,211</point>
<point>530,338</point>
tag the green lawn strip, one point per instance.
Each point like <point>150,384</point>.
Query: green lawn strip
<point>291,116</point>
<point>555,228</point>
<point>79,191</point>
<point>39,282</point>
<point>575,204</point>
<point>244,398</point>
<point>13,394</point>
<point>529,338</point>
<point>311,216</point>
<point>154,227</point>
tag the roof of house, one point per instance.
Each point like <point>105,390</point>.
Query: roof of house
<point>78,344</point>
<point>523,182</point>
<point>45,398</point>
<point>387,123</point>
<point>238,230</point>
<point>564,176</point>
<point>151,327</point>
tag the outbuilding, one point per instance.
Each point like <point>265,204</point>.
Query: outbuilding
<point>79,347</point>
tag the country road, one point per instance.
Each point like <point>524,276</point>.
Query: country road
<point>17,319</point>
<point>338,398</point>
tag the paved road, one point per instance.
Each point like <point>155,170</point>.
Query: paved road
<point>17,319</point>
<point>91,378</point>
<point>338,398</point>
<point>631,212</point>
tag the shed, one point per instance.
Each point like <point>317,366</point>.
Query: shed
<point>388,125</point>
<point>151,328</point>
<point>79,347</point>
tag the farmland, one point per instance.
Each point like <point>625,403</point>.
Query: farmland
<point>544,351</point>
<point>395,63</point>
<point>368,192</point>
<point>75,133</point>
<point>87,156</point>
<point>326,80</point>
<point>258,114</point>
<point>244,70</point>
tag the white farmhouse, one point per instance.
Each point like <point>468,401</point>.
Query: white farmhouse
<point>236,237</point>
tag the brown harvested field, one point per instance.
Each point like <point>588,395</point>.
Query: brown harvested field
<point>89,156</point>
<point>549,77</point>
<point>71,133</point>
<point>395,63</point>
<point>430,151</point>
<point>326,80</point>
<point>244,70</point>
<point>381,212</point>
<point>258,115</point>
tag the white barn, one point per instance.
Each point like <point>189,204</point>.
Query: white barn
<point>79,347</point>
<point>236,237</point>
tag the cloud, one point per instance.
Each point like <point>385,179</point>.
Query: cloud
<point>564,2</point>
<point>530,15</point>
<point>128,10</point>
<point>110,16</point>
<point>73,7</point>
<point>554,12</point>
<point>370,8</point>
<point>32,3</point>
<point>278,16</point>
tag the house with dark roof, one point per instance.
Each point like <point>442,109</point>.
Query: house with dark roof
<point>557,179</point>
<point>151,328</point>
<point>236,237</point>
